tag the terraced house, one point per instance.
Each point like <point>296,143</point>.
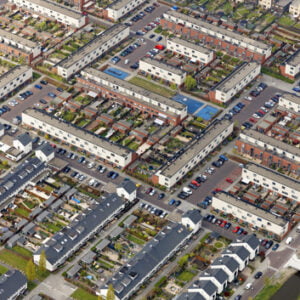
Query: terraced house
<point>212,35</point>
<point>133,96</point>
<point>91,51</point>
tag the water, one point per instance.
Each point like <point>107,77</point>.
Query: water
<point>290,290</point>
<point>116,73</point>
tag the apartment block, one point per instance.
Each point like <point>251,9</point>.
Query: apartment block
<point>216,36</point>
<point>120,8</point>
<point>213,136</point>
<point>111,153</point>
<point>290,102</point>
<point>18,46</point>
<point>13,79</point>
<point>291,67</point>
<point>294,9</point>
<point>92,50</point>
<point>266,4</point>
<point>235,82</point>
<point>148,261</point>
<point>195,52</point>
<point>54,11</point>
<point>133,96</point>
<point>272,180</point>
<point>162,70</point>
<point>268,150</point>
<point>253,215</point>
<point>65,243</point>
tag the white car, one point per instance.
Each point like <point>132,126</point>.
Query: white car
<point>248,286</point>
<point>256,116</point>
<point>187,190</point>
<point>152,193</point>
<point>264,109</point>
<point>248,98</point>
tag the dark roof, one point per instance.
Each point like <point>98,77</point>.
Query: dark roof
<point>11,282</point>
<point>218,274</point>
<point>251,240</point>
<point>227,261</point>
<point>128,186</point>
<point>80,229</point>
<point>24,139</point>
<point>206,285</point>
<point>194,215</point>
<point>240,251</point>
<point>21,175</point>
<point>144,262</point>
<point>46,149</point>
<point>190,296</point>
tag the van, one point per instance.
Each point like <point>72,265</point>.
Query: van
<point>289,240</point>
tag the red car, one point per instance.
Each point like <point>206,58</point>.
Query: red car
<point>223,224</point>
<point>218,190</point>
<point>236,229</point>
<point>160,47</point>
<point>194,182</point>
<point>229,180</point>
<point>252,120</point>
<point>149,190</point>
<point>262,112</point>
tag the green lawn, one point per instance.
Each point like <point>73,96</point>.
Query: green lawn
<point>81,294</point>
<point>22,212</point>
<point>3,269</point>
<point>148,85</point>
<point>22,251</point>
<point>13,260</point>
<point>68,116</point>
<point>185,276</point>
<point>105,264</point>
<point>267,292</point>
<point>286,21</point>
<point>134,239</point>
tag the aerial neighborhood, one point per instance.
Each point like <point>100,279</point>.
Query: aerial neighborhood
<point>150,150</point>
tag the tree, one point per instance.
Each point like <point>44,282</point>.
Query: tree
<point>118,246</point>
<point>110,293</point>
<point>42,262</point>
<point>30,270</point>
<point>183,261</point>
<point>190,83</point>
<point>100,298</point>
<point>173,86</point>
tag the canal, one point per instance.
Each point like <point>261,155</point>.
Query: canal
<point>290,290</point>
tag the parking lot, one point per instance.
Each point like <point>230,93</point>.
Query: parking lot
<point>31,101</point>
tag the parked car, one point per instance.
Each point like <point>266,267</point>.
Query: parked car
<point>236,229</point>
<point>44,82</point>
<point>52,95</point>
<point>275,247</point>
<point>258,275</point>
<point>161,196</point>
<point>172,202</point>
<point>229,180</point>
<point>37,86</point>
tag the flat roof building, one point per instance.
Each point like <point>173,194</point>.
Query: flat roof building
<point>212,137</point>
<point>131,95</point>
<point>14,78</point>
<point>272,180</point>
<point>253,215</point>
<point>120,8</point>
<point>235,82</point>
<point>83,139</point>
<point>290,101</point>
<point>162,70</point>
<point>195,52</point>
<point>215,35</point>
<point>291,67</point>
<point>54,11</point>
<point>91,51</point>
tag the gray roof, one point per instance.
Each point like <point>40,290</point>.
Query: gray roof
<point>13,240</point>
<point>6,235</point>
<point>290,97</point>
<point>102,244</point>
<point>206,285</point>
<point>154,253</point>
<point>190,296</point>
<point>89,257</point>
<point>22,223</point>
<point>45,214</point>
<point>92,45</point>
<point>163,66</point>
<point>294,60</point>
<point>69,128</point>
<point>24,139</point>
<point>118,4</point>
<point>237,75</point>
<point>28,228</point>
<point>128,221</point>
<point>12,74</point>
<point>116,232</point>
<point>35,212</point>
<point>46,149</point>
<point>11,282</point>
<point>56,205</point>
<point>27,171</point>
<point>227,261</point>
<point>80,229</point>
<point>219,274</point>
<point>250,239</point>
<point>204,26</point>
<point>275,176</point>
<point>74,270</point>
<point>211,132</point>
<point>128,185</point>
<point>194,215</point>
<point>50,200</point>
<point>240,251</point>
